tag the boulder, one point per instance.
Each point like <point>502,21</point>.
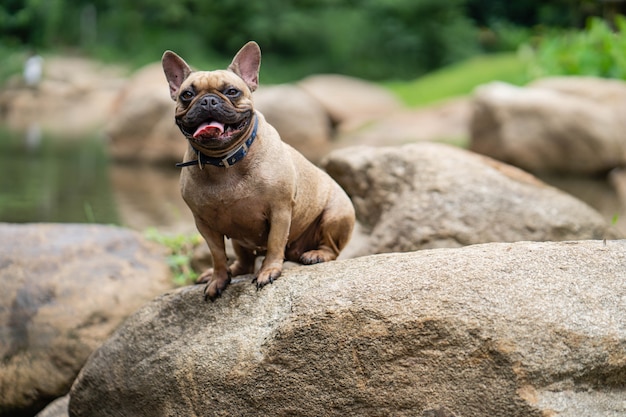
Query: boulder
<point>567,125</point>
<point>73,99</point>
<point>141,125</point>
<point>65,288</point>
<point>350,102</point>
<point>599,90</point>
<point>57,408</point>
<point>299,118</point>
<point>446,122</point>
<point>140,206</point>
<point>502,329</point>
<point>601,192</point>
<point>429,195</point>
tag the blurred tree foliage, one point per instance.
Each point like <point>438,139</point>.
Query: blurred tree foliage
<point>528,13</point>
<point>598,51</point>
<point>372,39</point>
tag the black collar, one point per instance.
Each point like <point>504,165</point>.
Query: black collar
<point>227,160</point>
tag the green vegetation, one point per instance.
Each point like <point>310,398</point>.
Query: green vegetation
<point>13,59</point>
<point>372,39</point>
<point>460,79</point>
<point>598,50</point>
<point>181,249</point>
<point>366,38</point>
<point>432,49</point>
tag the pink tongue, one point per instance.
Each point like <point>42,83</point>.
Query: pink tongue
<point>207,129</point>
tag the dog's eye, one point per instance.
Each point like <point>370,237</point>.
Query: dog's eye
<point>186,95</point>
<point>232,92</point>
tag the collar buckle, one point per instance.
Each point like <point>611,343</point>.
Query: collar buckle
<point>236,155</point>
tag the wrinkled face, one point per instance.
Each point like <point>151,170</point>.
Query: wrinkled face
<point>214,108</point>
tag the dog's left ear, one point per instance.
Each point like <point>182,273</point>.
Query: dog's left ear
<point>246,64</point>
<point>176,71</point>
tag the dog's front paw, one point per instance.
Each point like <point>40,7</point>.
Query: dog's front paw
<point>266,276</point>
<point>214,289</point>
<point>215,286</point>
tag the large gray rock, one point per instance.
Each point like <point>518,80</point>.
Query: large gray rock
<point>57,408</point>
<point>350,102</point>
<point>65,288</point>
<point>429,195</point>
<point>500,329</point>
<point>446,122</point>
<point>567,124</point>
<point>299,118</point>
<point>141,125</point>
<point>73,99</point>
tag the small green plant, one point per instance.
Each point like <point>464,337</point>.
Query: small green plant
<point>181,249</point>
<point>614,221</point>
<point>596,51</point>
<point>89,215</point>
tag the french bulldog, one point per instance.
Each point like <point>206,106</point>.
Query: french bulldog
<point>241,181</point>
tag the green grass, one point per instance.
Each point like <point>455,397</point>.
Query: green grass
<point>181,250</point>
<point>460,79</point>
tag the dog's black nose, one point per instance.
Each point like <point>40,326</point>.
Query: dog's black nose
<point>211,101</point>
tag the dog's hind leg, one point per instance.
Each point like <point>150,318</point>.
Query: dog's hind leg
<point>334,230</point>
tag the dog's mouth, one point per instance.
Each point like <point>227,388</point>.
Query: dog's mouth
<point>212,130</point>
<point>209,130</point>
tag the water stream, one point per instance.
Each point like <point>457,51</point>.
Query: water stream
<point>48,179</point>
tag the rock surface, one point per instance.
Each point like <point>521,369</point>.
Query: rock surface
<point>428,195</point>
<point>57,408</point>
<point>73,99</point>
<point>299,118</point>
<point>568,124</point>
<point>65,288</point>
<point>141,125</point>
<point>502,329</point>
<point>446,122</point>
<point>350,102</point>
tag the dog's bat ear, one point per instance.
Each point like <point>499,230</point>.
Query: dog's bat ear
<point>246,64</point>
<point>176,71</point>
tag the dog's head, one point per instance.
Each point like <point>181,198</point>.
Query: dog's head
<point>214,108</point>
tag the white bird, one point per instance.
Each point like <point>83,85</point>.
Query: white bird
<point>33,70</point>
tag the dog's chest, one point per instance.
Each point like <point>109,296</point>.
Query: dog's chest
<point>231,207</point>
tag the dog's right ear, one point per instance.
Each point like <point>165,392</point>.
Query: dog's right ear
<point>176,71</point>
